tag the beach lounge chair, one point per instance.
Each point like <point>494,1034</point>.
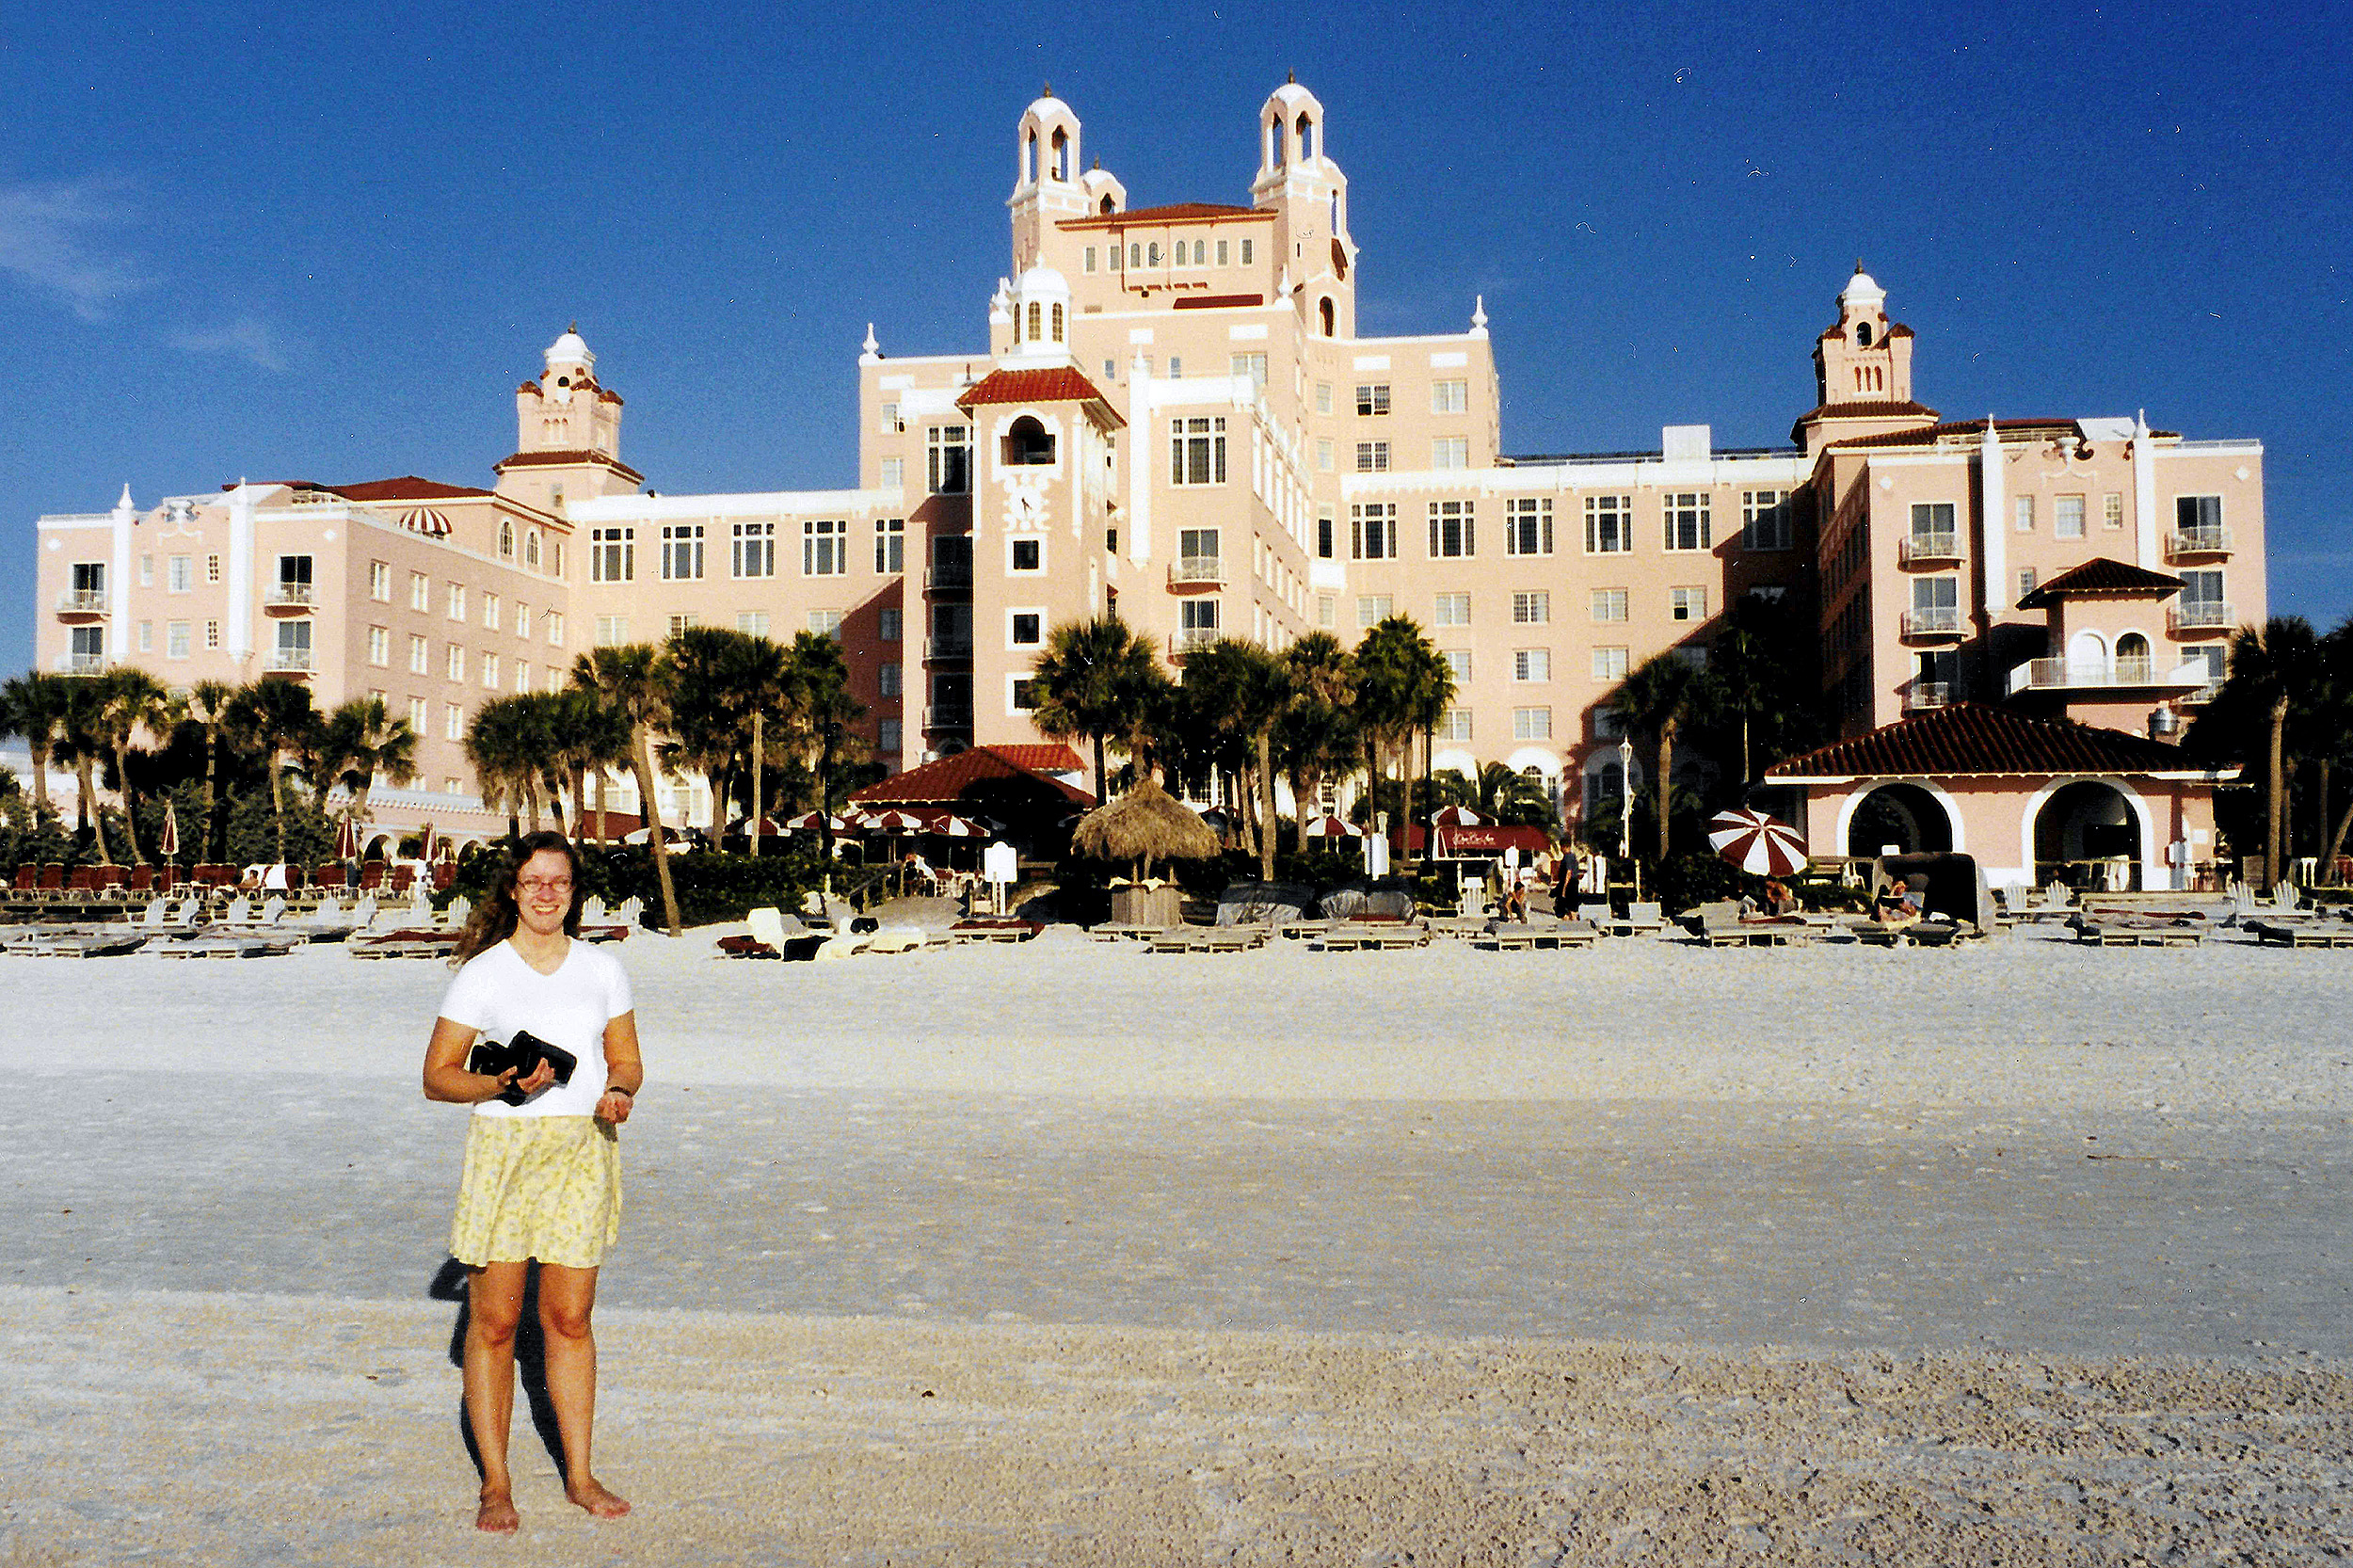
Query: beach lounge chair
<point>2298,933</point>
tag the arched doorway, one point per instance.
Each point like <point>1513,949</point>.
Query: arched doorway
<point>2087,834</point>
<point>1904,815</point>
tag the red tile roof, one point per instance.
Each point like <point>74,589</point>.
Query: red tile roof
<point>2101,575</point>
<point>954,780</point>
<point>1180,212</point>
<point>1928,435</point>
<point>1050,757</point>
<point>568,459</point>
<point>1884,409</point>
<point>1970,738</point>
<point>407,487</point>
<point>1060,384</point>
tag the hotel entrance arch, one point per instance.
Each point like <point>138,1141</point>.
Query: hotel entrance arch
<point>1904,815</point>
<point>2088,835</point>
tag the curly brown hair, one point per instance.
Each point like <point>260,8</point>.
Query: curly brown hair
<point>495,918</point>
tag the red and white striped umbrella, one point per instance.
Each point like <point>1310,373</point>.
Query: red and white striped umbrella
<point>428,842</point>
<point>949,825</point>
<point>1333,827</point>
<point>892,821</point>
<point>1456,816</point>
<point>347,839</point>
<point>1756,842</point>
<point>817,821</point>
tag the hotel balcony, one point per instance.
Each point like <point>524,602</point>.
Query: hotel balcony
<point>287,599</point>
<point>80,664</point>
<point>2199,617</point>
<point>1186,638</point>
<point>2100,675</point>
<point>286,660</point>
<point>1939,625</point>
<point>945,717</point>
<point>1196,571</point>
<point>1928,550</point>
<point>949,644</point>
<point>81,604</point>
<point>956,580</point>
<point>1921,696</point>
<point>2196,544</point>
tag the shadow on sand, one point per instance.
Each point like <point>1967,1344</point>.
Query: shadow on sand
<point>449,1285</point>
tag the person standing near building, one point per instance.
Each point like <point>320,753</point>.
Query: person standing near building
<point>542,1178</point>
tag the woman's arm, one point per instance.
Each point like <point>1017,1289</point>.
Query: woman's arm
<point>446,1074</point>
<point>624,1070</point>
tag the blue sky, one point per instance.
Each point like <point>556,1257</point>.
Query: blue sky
<point>326,240</point>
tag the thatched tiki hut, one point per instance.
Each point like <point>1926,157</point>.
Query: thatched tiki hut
<point>1142,827</point>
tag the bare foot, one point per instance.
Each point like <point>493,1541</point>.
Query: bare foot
<point>497,1513</point>
<point>601,1504</point>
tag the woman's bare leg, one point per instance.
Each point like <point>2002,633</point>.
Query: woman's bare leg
<point>494,1309</point>
<point>566,1299</point>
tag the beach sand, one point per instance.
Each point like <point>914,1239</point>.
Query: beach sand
<point>1067,1252</point>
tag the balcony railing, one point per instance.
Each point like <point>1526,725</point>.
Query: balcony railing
<point>1918,549</point>
<point>289,661</point>
<point>82,601</point>
<point>1196,571</point>
<point>1186,638</point>
<point>284,595</point>
<point>1939,622</point>
<point>2052,675</point>
<point>950,579</point>
<point>2184,544</point>
<point>947,717</point>
<point>951,645</point>
<point>2200,615</point>
<point>1921,696</point>
<point>80,664</point>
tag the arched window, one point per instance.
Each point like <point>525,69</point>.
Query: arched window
<point>1036,311</point>
<point>1107,206</point>
<point>2131,649</point>
<point>1058,324</point>
<point>1330,321</point>
<point>1152,255</point>
<point>1062,155</point>
<point>1028,159</point>
<point>1028,443</point>
<point>1306,139</point>
<point>1135,256</point>
<point>1863,334</point>
<point>531,549</point>
<point>506,540</point>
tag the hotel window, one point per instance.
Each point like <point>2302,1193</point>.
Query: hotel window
<point>1372,456</point>
<point>612,631</point>
<point>176,639</point>
<point>825,623</point>
<point>1025,556</point>
<point>1609,664</point>
<point>1323,453</point>
<point>1454,724</point>
<point>2027,578</point>
<point>611,554</point>
<point>1532,664</point>
<point>1936,603</point>
<point>947,449</point>
<point>1450,610</point>
<point>180,574</point>
<point>420,591</point>
<point>895,473</point>
<point>1450,535</point>
<point>2067,517</point>
<point>1372,530</point>
<point>1458,664</point>
<point>454,665</point>
<point>522,620</point>
<point>825,547</point>
<point>457,601</point>
<point>1531,724</point>
<point>1527,525</point>
<point>2112,509</point>
<point>147,636</point>
<point>890,545</point>
<point>1246,252</point>
<point>1765,519</point>
<point>453,726</point>
<point>681,551</point>
<point>522,676</point>
<point>490,671</point>
<point>889,680</point>
<point>490,612</point>
<point>1028,628</point>
<point>2197,516</point>
<point>454,786</point>
<point>1327,610</point>
<point>212,568</point>
<point>555,627</point>
<point>686,621</point>
<point>1372,609</point>
<point>380,582</point>
<point>1532,607</point>
<point>379,644</point>
<point>147,571</point>
<point>1449,452</point>
<point>1196,451</point>
<point>1685,513</point>
<point>891,423</point>
<point>2202,589</point>
<point>1609,604</point>
<point>752,549</point>
<point>1252,365</point>
<point>1609,524</point>
<point>420,656</point>
<point>1326,537</point>
<point>1225,253</point>
<point>418,716</point>
<point>1088,266</point>
<point>1323,397</point>
<point>531,550</point>
<point>1373,398</point>
<point>506,540</point>
<point>556,557</point>
<point>752,623</point>
<point>1197,619</point>
<point>887,625</point>
<point>212,633</point>
<point>891,741</point>
<point>1450,397</point>
<point>2022,511</point>
<point>1686,604</point>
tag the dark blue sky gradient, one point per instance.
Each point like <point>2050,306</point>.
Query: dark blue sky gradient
<point>326,241</point>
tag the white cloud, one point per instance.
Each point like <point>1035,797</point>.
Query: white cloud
<point>246,336</point>
<point>52,237</point>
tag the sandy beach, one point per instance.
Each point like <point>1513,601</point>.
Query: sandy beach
<point>1068,1253</point>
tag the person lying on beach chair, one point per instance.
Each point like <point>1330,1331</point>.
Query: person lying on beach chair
<point>1896,904</point>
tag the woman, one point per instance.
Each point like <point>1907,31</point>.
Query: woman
<point>542,1177</point>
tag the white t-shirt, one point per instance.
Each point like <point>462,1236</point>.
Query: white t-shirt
<point>498,994</point>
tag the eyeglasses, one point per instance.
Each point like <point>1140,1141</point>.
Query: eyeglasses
<point>544,884</point>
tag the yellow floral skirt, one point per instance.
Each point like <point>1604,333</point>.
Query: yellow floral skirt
<point>543,1187</point>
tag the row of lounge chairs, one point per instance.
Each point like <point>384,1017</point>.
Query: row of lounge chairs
<point>833,933</point>
<point>53,882</point>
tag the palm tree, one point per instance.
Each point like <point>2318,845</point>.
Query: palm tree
<point>1091,681</point>
<point>81,740</point>
<point>33,705</point>
<point>587,734</point>
<point>629,677</point>
<point>2335,731</point>
<point>1316,735</point>
<point>1758,673</point>
<point>1655,700</point>
<point>507,747</point>
<point>817,681</point>
<point>1498,794</point>
<point>718,678</point>
<point>1239,689</point>
<point>133,700</point>
<point>2276,680</point>
<point>1403,684</point>
<point>374,745</point>
<point>274,717</point>
<point>209,703</point>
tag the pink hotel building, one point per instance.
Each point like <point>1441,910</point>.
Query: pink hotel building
<point>1174,419</point>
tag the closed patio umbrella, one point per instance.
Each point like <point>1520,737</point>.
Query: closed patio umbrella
<point>169,844</point>
<point>348,838</point>
<point>1756,842</point>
